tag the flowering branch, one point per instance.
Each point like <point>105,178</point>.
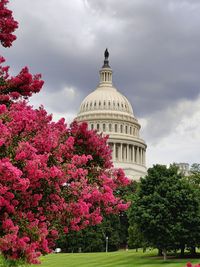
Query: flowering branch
<point>7,25</point>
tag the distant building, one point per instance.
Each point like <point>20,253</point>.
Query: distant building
<point>184,168</point>
<point>108,111</point>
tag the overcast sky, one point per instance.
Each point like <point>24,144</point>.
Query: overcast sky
<point>154,50</point>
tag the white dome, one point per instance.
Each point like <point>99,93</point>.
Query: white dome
<point>106,98</point>
<point>110,113</point>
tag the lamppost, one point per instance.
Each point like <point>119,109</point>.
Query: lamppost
<point>106,243</point>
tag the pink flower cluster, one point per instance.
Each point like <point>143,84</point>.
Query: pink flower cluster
<point>21,86</point>
<point>7,25</point>
<point>24,84</point>
<point>189,264</point>
<point>53,179</point>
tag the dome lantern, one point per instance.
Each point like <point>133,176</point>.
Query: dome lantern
<point>106,71</point>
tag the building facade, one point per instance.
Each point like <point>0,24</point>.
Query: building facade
<point>110,112</point>
<point>183,168</point>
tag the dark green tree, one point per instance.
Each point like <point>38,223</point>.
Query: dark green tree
<point>166,210</point>
<point>127,193</point>
<point>194,177</point>
<point>136,239</point>
<point>195,168</point>
<point>93,239</point>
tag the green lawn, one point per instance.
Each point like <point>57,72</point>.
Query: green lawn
<point>112,259</point>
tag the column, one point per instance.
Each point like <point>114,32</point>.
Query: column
<point>144,157</point>
<point>141,156</point>
<point>128,153</point>
<point>133,153</point>
<point>120,153</point>
<point>125,152</point>
<point>124,148</point>
<point>137,155</point>
<point>114,151</point>
<point>133,158</point>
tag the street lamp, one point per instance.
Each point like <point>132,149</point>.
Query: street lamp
<point>106,243</point>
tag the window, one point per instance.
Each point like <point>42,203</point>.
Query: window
<point>92,126</point>
<point>104,127</point>
<point>97,127</point>
<point>104,103</point>
<point>116,128</point>
<point>126,129</point>
<point>121,128</point>
<point>130,130</point>
<point>110,127</point>
<point>95,104</point>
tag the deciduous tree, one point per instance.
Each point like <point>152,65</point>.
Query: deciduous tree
<point>166,210</point>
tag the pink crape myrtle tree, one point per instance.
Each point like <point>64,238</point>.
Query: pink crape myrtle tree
<point>189,264</point>
<point>53,179</point>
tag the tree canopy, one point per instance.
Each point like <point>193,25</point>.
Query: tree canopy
<point>166,209</point>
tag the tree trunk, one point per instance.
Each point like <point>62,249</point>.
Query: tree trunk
<point>182,250</point>
<point>193,251</point>
<point>160,252</point>
<point>164,254</point>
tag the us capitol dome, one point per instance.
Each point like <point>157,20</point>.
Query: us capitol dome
<point>110,112</point>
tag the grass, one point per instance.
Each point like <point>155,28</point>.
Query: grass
<point>112,259</point>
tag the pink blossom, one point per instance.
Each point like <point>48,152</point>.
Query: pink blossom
<point>3,109</point>
<point>189,264</point>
